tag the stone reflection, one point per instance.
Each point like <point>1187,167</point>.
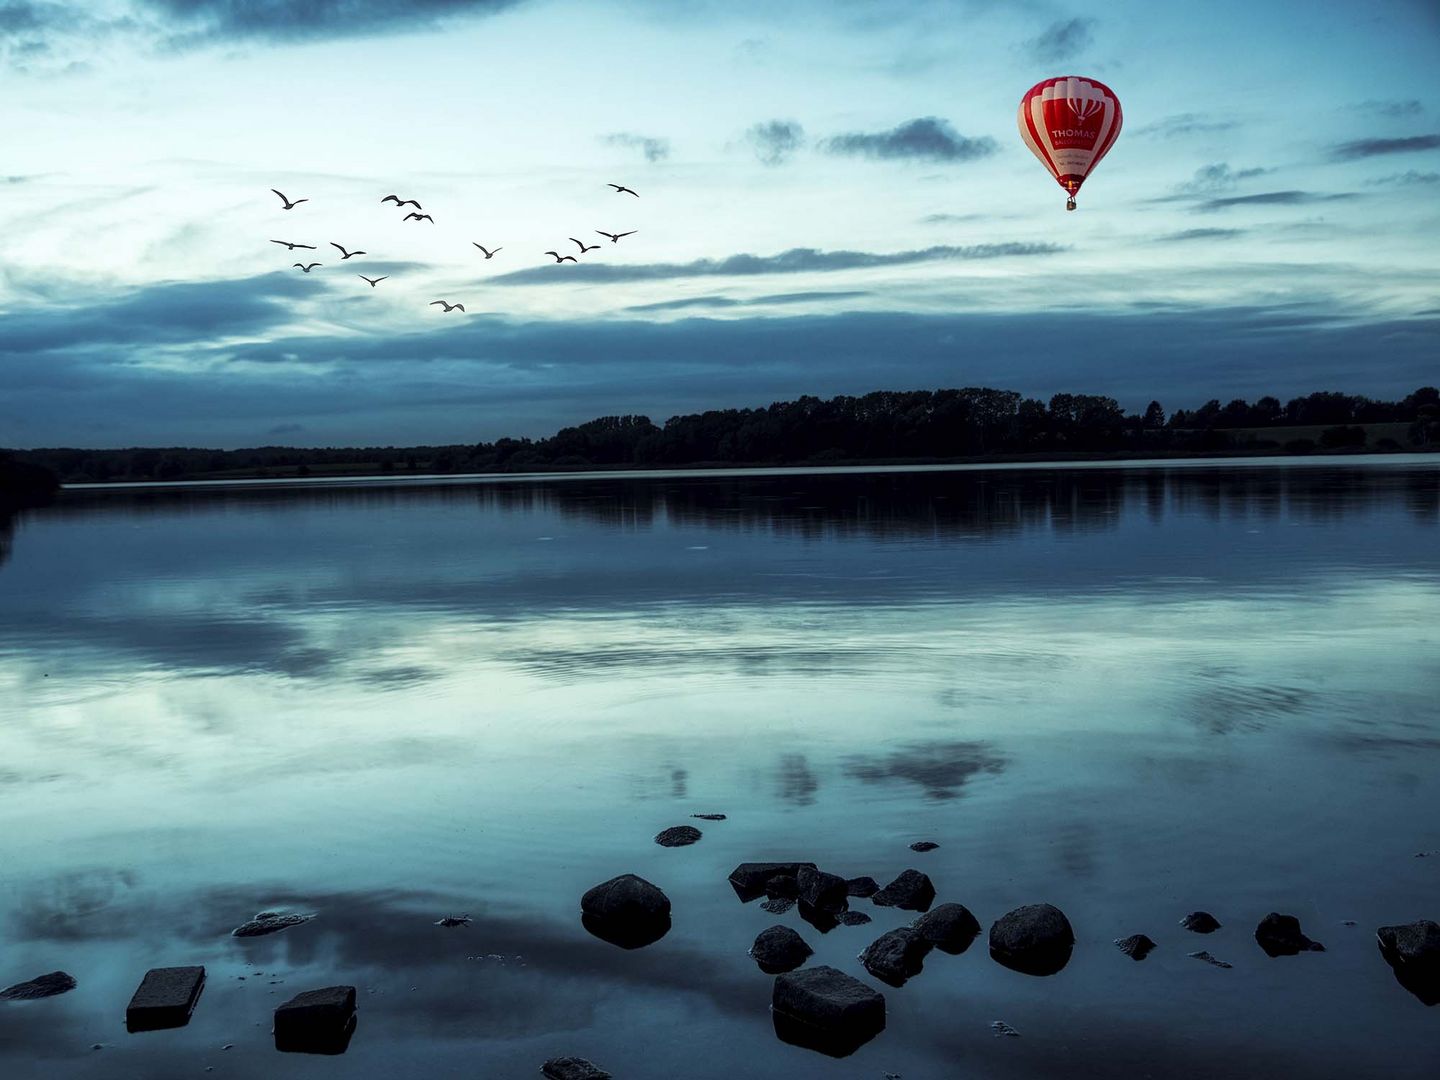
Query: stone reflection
<point>797,783</point>
<point>940,769</point>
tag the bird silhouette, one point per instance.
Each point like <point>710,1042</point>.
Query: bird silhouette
<point>402,202</point>
<point>292,247</point>
<point>488,253</point>
<point>447,306</point>
<point>619,188</point>
<point>583,248</point>
<point>562,258</point>
<point>372,282</point>
<point>289,205</point>
<point>615,236</point>
<point>343,253</point>
<point>307,269</point>
<point>418,217</point>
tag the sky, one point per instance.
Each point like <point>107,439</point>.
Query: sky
<point>833,199</point>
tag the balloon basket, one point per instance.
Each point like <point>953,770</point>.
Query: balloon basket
<point>1069,204</point>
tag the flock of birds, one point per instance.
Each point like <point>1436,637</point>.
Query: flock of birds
<point>417,216</point>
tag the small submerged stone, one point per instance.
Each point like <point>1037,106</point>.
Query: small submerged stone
<point>709,817</point>
<point>678,836</point>
<point>852,918</point>
<point>1036,939</point>
<point>911,891</point>
<point>1136,946</point>
<point>779,949</point>
<point>862,887</point>
<point>269,922</point>
<point>1200,922</point>
<point>924,845</point>
<point>42,986</point>
<point>453,920</point>
<point>1000,1029</point>
<point>778,905</point>
<point>1279,935</point>
<point>1203,955</point>
<point>950,928</point>
<point>896,956</point>
<point>572,1068</point>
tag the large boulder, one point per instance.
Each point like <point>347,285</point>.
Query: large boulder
<point>823,1009</point>
<point>1279,935</point>
<point>749,878</point>
<point>950,928</point>
<point>818,889</point>
<point>896,956</point>
<point>627,911</point>
<point>911,891</point>
<point>1413,951</point>
<point>1035,939</point>
<point>779,949</point>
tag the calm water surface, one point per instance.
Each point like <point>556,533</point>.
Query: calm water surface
<point>1128,691</point>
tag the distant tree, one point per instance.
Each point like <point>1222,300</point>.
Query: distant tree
<point>1154,416</point>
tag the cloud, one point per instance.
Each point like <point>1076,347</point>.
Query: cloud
<point>1186,124</point>
<point>716,301</point>
<point>204,21</point>
<point>1203,234</point>
<point>1061,40</point>
<point>1410,177</point>
<point>775,141</point>
<point>794,261</point>
<point>1270,198</point>
<point>1394,110</point>
<point>1217,177</point>
<point>1368,148</point>
<point>927,138</point>
<point>285,429</point>
<point>950,219</point>
<point>654,149</point>
<point>39,35</point>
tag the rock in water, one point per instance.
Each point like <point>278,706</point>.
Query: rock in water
<point>1203,955</point>
<point>852,918</point>
<point>950,928</point>
<point>911,891</point>
<point>1279,935</point>
<point>748,879</point>
<point>1136,946</point>
<point>826,1010</point>
<point>317,1021</point>
<point>1035,940</point>
<point>862,886</point>
<point>818,889</point>
<point>782,885</point>
<point>268,922</point>
<point>42,986</point>
<point>779,949</point>
<point>924,845</point>
<point>821,919</point>
<point>678,836</point>
<point>165,998</point>
<point>999,1028</point>
<point>626,911</point>
<point>709,817</point>
<point>896,956</point>
<point>572,1068</point>
<point>778,905</point>
<point>1413,951</point>
<point>1201,922</point>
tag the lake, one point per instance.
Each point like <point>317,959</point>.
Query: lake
<point>1131,690</point>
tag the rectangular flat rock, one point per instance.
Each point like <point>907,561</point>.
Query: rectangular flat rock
<point>165,998</point>
<point>317,1021</point>
<point>824,997</point>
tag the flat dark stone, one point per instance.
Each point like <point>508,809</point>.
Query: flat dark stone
<point>821,890</point>
<point>862,887</point>
<point>823,997</point>
<point>1136,946</point>
<point>1279,935</point>
<point>268,922</point>
<point>1203,955</point>
<point>748,879</point>
<point>778,905</point>
<point>950,928</point>
<point>778,949</point>
<point>316,1021</point>
<point>896,956</point>
<point>1201,922</point>
<point>165,998</point>
<point>852,918</point>
<point>42,986</point>
<point>678,836</point>
<point>1036,939</point>
<point>709,817</point>
<point>573,1068</point>
<point>911,891</point>
<point>924,845</point>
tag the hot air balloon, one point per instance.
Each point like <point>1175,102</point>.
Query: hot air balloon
<point>1069,123</point>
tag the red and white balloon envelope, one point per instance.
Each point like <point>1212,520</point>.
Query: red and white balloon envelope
<point>1070,123</point>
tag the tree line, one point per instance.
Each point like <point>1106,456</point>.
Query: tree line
<point>883,426</point>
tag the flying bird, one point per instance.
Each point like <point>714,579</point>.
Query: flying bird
<point>292,247</point>
<point>343,253</point>
<point>615,236</point>
<point>488,253</point>
<point>402,202</point>
<point>562,258</point>
<point>620,188</point>
<point>447,306</point>
<point>372,281</point>
<point>288,204</point>
<point>418,217</point>
<point>307,269</point>
<point>583,248</point>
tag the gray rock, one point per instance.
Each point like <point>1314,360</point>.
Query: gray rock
<point>1279,935</point>
<point>165,998</point>
<point>626,911</point>
<point>316,1021</point>
<point>1136,946</point>
<point>42,986</point>
<point>862,887</point>
<point>896,956</point>
<point>748,879</point>
<point>1201,922</point>
<point>825,998</point>
<point>818,889</point>
<point>678,836</point>
<point>1203,955</point>
<point>1413,951</point>
<point>572,1068</point>
<point>1035,939</point>
<point>911,891</point>
<point>778,949</point>
<point>950,928</point>
<point>268,922</point>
